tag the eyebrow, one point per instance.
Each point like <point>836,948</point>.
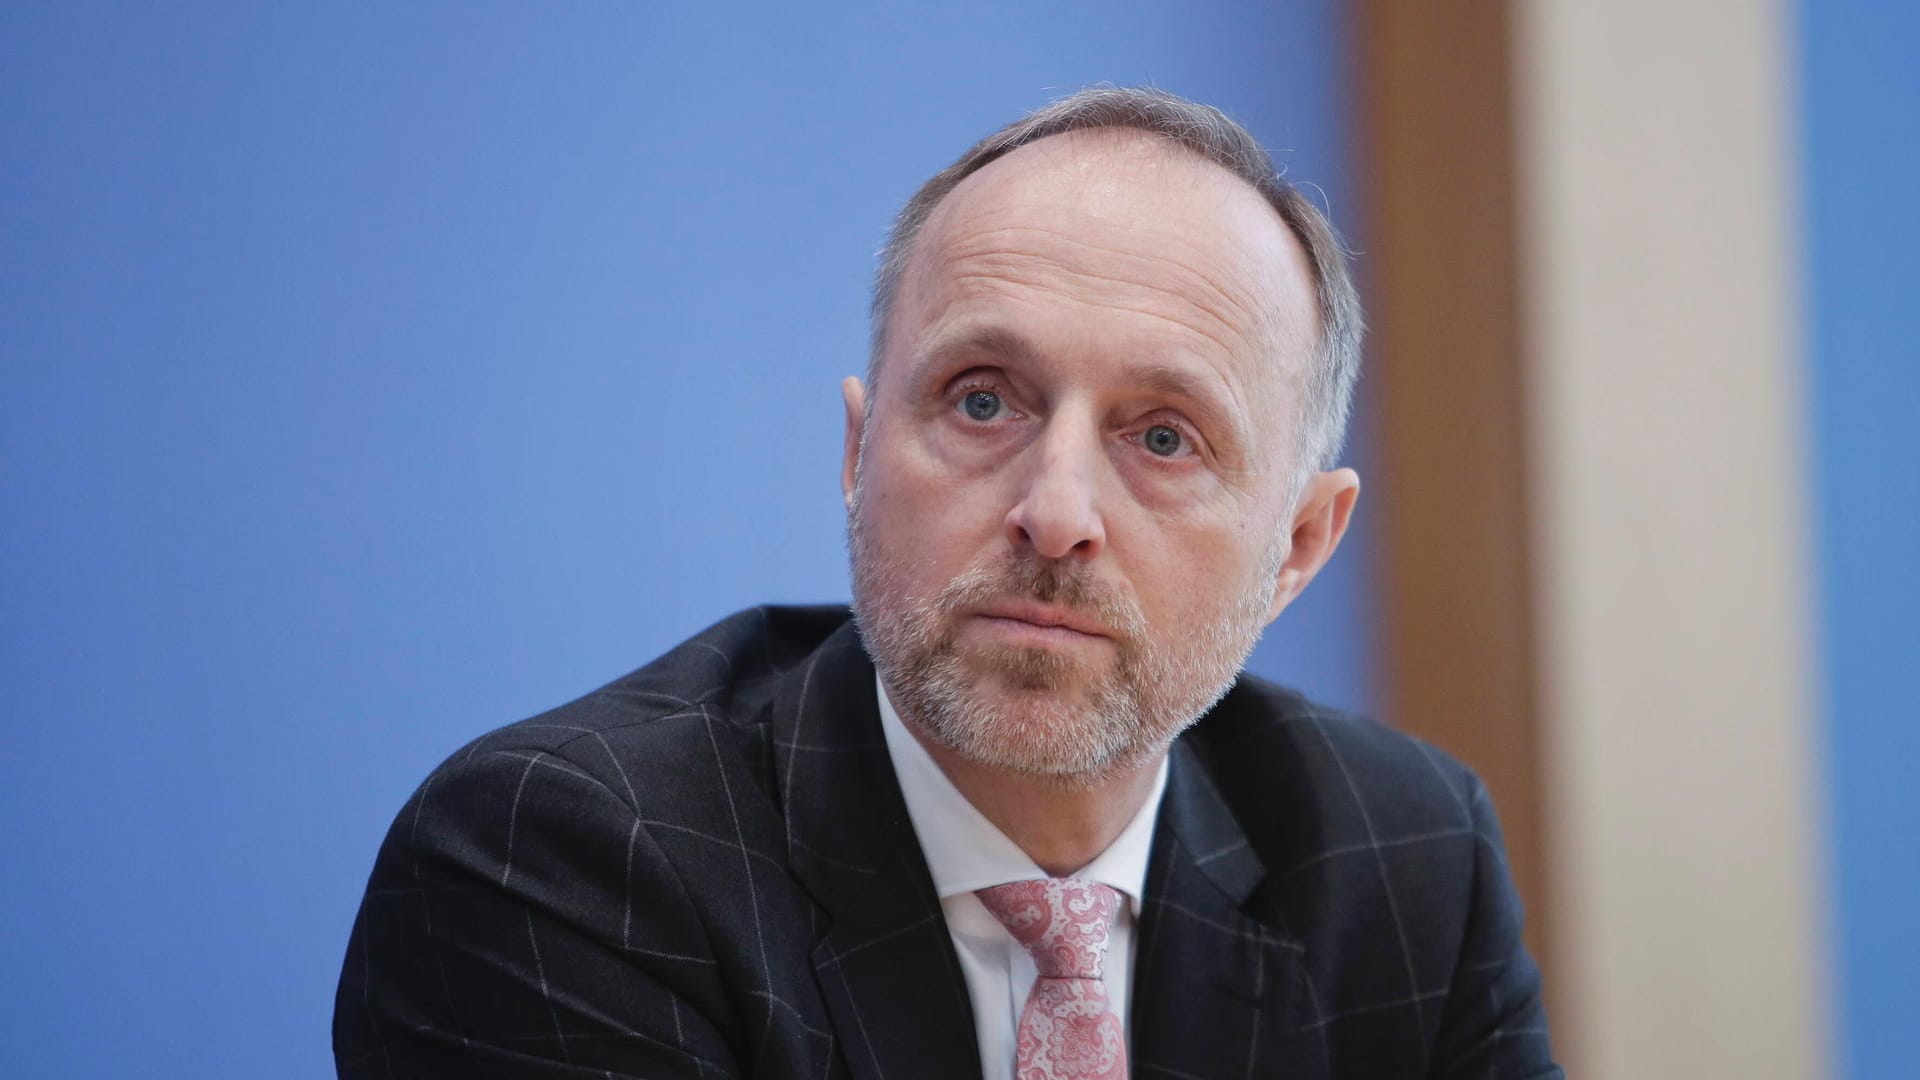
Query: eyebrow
<point>993,340</point>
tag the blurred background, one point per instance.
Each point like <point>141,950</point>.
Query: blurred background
<point>372,376</point>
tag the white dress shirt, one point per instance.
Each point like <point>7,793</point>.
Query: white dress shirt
<point>965,851</point>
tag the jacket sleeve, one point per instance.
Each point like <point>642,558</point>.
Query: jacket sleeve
<point>521,922</point>
<point>1495,1022</point>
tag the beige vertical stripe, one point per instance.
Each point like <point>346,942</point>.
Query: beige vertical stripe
<point>1668,534</point>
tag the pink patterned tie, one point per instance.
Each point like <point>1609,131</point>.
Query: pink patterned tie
<point>1068,1030</point>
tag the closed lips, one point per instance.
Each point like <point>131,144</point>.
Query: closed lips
<point>1047,617</point>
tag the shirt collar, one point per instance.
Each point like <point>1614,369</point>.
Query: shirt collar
<point>965,851</point>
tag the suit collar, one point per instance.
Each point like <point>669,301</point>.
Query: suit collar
<point>883,957</point>
<point>1209,959</point>
<point>1196,818</point>
<point>845,819</point>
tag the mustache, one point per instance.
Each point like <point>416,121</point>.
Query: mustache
<point>1067,585</point>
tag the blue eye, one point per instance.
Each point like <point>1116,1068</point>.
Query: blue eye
<point>981,405</point>
<point>1162,440</point>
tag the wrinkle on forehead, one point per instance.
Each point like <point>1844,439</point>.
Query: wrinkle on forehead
<point>1233,321</point>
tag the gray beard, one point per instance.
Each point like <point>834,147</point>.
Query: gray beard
<point>1125,717</point>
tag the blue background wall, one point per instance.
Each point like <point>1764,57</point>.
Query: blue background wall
<point>374,377</point>
<point>1861,117</point>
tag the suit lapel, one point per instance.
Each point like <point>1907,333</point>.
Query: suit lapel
<point>1219,992</point>
<point>882,953</point>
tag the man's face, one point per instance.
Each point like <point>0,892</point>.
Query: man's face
<point>1071,514</point>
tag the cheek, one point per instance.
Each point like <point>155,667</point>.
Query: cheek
<point>1182,492</point>
<point>941,448</point>
<point>935,464</point>
<point>1187,577</point>
<point>920,507</point>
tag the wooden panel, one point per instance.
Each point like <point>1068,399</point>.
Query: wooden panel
<point>1445,389</point>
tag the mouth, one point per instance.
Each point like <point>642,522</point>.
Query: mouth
<point>1042,621</point>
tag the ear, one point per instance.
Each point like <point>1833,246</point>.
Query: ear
<point>1319,521</point>
<point>854,394</point>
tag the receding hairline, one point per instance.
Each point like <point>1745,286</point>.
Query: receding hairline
<point>1137,147</point>
<point>1130,155</point>
<point>1275,314</point>
<point>1130,146</point>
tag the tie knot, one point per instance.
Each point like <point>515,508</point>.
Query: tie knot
<point>1063,922</point>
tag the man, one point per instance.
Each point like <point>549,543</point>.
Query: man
<point>976,829</point>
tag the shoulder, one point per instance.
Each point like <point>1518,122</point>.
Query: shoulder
<point>1350,818</point>
<point>1274,751</point>
<point>675,749</point>
<point>625,783</point>
<point>1384,858</point>
<point>575,849</point>
<point>709,694</point>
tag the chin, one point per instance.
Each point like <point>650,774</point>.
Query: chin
<point>1034,676</point>
<point>1074,732</point>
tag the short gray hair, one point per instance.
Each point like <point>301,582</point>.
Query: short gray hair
<point>1207,132</point>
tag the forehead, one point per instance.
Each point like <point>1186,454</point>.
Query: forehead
<point>1121,237</point>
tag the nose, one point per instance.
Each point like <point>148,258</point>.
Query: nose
<point>1058,513</point>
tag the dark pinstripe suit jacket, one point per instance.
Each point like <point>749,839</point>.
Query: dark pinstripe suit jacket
<point>705,869</point>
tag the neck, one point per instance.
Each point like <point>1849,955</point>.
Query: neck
<point>1062,825</point>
